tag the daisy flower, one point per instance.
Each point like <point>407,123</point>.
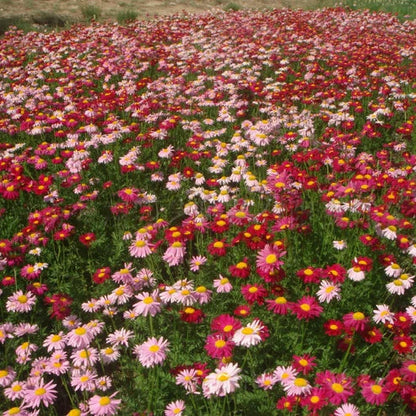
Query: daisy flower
<point>306,308</point>
<point>104,405</point>
<point>80,337</point>
<point>297,386</point>
<point>147,304</point>
<point>222,381</point>
<point>248,335</point>
<point>40,393</point>
<point>152,352</point>
<point>119,337</point>
<point>222,285</point>
<point>347,409</point>
<point>20,302</point>
<point>266,381</point>
<point>328,291</point>
<point>375,392</point>
<point>7,375</point>
<point>175,408</point>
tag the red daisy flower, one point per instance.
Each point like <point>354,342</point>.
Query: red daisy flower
<point>306,308</point>
<point>241,269</point>
<point>101,275</point>
<point>402,344</point>
<point>192,315</point>
<point>254,293</point>
<point>304,363</point>
<point>87,239</point>
<point>242,310</point>
<point>218,248</point>
<point>334,328</point>
<point>375,392</point>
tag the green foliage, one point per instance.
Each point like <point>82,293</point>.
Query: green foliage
<point>126,16</point>
<point>91,12</point>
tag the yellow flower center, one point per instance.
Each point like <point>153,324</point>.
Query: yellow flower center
<point>305,307</point>
<point>22,299</point>
<point>220,343</point>
<point>228,328</point>
<point>280,300</point>
<point>412,368</point>
<point>300,382</point>
<point>148,300</point>
<point>104,401</point>
<point>253,289</point>
<point>3,373</point>
<point>154,348</point>
<point>40,391</point>
<point>337,388</point>
<point>376,389</point>
<point>271,258</point>
<point>80,331</point>
<point>247,330</point>
<point>223,377</point>
<point>140,243</point>
<point>358,316</point>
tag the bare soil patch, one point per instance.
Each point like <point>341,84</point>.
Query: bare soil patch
<point>72,10</point>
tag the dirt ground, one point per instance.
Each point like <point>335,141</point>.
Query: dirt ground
<point>73,9</point>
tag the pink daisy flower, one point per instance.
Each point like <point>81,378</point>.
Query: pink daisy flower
<point>104,405</point>
<point>355,320</point>
<point>20,302</point>
<point>152,352</point>
<point>140,248</point>
<point>248,335</point>
<point>40,393</point>
<point>222,381</point>
<point>175,253</point>
<point>147,304</point>
<point>266,381</point>
<point>268,258</point>
<point>347,409</point>
<point>175,408</point>
<point>375,392</point>
<point>298,386</point>
<point>80,337</point>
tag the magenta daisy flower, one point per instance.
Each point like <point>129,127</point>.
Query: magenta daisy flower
<point>375,392</point>
<point>355,321</point>
<point>306,308</point>
<point>268,258</point>
<point>218,346</point>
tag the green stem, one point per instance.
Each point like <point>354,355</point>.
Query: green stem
<point>347,353</point>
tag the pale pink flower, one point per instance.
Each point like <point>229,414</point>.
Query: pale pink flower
<point>83,380</point>
<point>104,405</point>
<point>222,285</point>
<point>347,409</point>
<point>196,262</point>
<point>55,341</point>
<point>80,337</point>
<point>119,337</point>
<point>175,408</point>
<point>40,393</point>
<point>20,302</point>
<point>222,381</point>
<point>383,314</point>
<point>152,352</point>
<point>297,386</point>
<point>328,291</point>
<point>175,254</point>
<point>140,249</point>
<point>85,357</point>
<point>147,304</point>
<point>248,335</point>
<point>7,376</point>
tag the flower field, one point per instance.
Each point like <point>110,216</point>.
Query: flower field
<point>209,215</point>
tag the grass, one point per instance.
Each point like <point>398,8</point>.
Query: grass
<point>126,16</point>
<point>91,12</point>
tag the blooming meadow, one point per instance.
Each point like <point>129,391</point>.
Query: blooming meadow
<point>209,215</point>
